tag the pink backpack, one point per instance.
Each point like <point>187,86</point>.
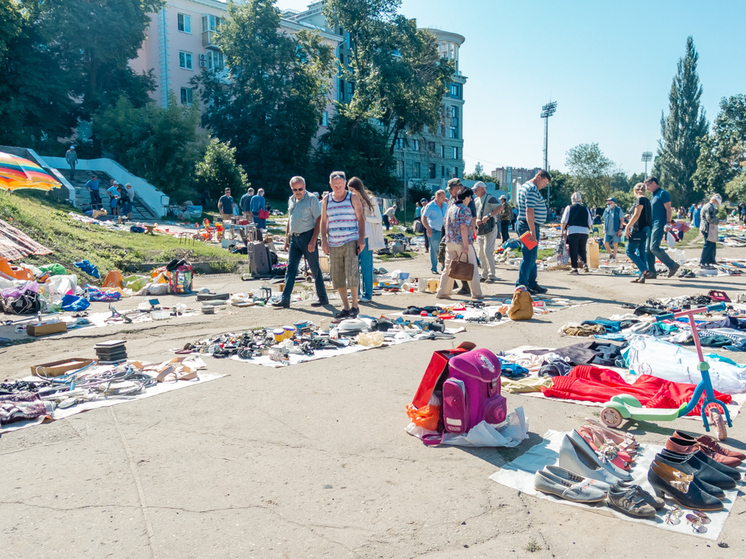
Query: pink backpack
<point>469,383</point>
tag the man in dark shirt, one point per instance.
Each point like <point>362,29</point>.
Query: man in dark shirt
<point>225,206</point>
<point>92,187</point>
<point>660,204</point>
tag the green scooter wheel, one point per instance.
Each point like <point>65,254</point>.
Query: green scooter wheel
<point>611,417</point>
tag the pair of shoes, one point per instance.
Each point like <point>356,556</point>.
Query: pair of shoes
<point>281,305</point>
<point>712,444</point>
<point>682,486</point>
<point>365,299</point>
<point>640,279</point>
<point>574,271</point>
<point>689,445</point>
<point>538,288</point>
<point>632,502</point>
<point>319,303</point>
<point>344,313</point>
<point>583,491</point>
<point>354,311</point>
<point>434,272</point>
<point>705,472</point>
<point>579,458</point>
<point>672,271</point>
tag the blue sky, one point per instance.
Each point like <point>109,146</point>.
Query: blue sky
<point>609,65</point>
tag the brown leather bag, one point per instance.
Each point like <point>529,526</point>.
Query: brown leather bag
<point>461,270</point>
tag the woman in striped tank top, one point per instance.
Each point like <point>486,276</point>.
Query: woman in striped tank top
<point>342,238</point>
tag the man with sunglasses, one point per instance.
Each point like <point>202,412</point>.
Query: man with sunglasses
<point>342,238</point>
<point>301,234</point>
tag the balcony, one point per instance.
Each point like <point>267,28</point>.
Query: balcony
<point>208,40</point>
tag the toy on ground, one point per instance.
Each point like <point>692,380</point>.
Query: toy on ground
<point>624,406</point>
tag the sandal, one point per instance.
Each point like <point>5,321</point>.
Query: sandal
<point>344,313</point>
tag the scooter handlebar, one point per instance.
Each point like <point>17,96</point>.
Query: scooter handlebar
<point>709,308</point>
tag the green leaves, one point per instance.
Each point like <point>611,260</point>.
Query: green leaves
<point>218,170</point>
<point>590,170</point>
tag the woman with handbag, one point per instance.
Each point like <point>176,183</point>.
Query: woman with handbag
<point>461,259</point>
<point>576,224</point>
<point>637,232</point>
<point>373,236</point>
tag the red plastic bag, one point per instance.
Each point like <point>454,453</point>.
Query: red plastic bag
<point>426,417</point>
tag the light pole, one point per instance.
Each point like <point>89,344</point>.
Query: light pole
<point>647,156</point>
<point>547,111</point>
<point>404,176</point>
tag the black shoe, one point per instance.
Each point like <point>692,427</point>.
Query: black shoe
<point>672,271</point>
<point>532,291</point>
<point>354,311</point>
<point>539,289</point>
<point>281,305</point>
<point>319,303</point>
<point>464,291</point>
<point>344,313</point>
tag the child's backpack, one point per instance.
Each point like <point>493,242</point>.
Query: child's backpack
<point>180,280</point>
<point>467,380</point>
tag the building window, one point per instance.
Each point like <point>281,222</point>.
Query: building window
<point>417,169</point>
<point>453,112</point>
<point>399,143</point>
<point>184,23</point>
<point>456,90</point>
<point>324,121</point>
<point>185,60</point>
<point>415,145</point>
<point>350,89</point>
<point>433,170</point>
<point>455,171</point>
<point>431,148</point>
<point>210,23</point>
<point>443,152</point>
<point>186,95</point>
<point>455,152</point>
<point>212,59</point>
<point>453,132</point>
<point>442,171</point>
<point>400,169</point>
<point>342,59</point>
<point>341,90</point>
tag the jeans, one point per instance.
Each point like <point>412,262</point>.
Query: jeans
<point>365,258</point>
<point>96,200</point>
<point>708,254</point>
<point>297,249</point>
<point>654,249</point>
<point>636,250</point>
<point>486,252</point>
<point>504,225</point>
<point>527,273</point>
<point>576,243</point>
<point>434,245</point>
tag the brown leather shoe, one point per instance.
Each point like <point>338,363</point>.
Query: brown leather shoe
<point>711,443</point>
<point>684,446</point>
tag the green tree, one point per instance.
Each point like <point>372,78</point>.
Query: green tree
<point>159,144</point>
<point>11,21</point>
<point>722,155</point>
<point>590,170</point>
<point>560,189</point>
<point>678,148</point>
<point>480,175</point>
<point>736,189</point>
<point>399,77</point>
<point>270,108</point>
<point>219,170</point>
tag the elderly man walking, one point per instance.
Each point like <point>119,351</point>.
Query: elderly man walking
<point>72,159</point>
<point>660,204</point>
<point>301,234</point>
<point>433,216</point>
<point>613,224</point>
<point>244,205</point>
<point>342,238</point>
<point>532,212</point>
<point>487,208</point>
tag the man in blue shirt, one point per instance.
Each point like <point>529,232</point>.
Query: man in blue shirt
<point>92,187</point>
<point>532,212</point>
<point>661,211</point>
<point>225,206</point>
<point>432,218</point>
<point>258,204</point>
<point>613,217</point>
<point>245,204</point>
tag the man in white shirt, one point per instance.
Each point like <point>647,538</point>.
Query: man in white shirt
<point>432,218</point>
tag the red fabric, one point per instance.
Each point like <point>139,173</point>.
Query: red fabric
<point>594,384</point>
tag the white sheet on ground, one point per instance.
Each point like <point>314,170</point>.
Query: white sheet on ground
<point>508,434</point>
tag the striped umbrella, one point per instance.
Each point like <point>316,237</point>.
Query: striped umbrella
<point>17,172</point>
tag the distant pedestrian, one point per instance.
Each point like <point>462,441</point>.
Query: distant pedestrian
<point>460,244</point>
<point>72,159</point>
<point>433,218</point>
<point>373,236</point>
<point>487,209</point>
<point>245,204</point>
<point>93,187</point>
<point>454,189</point>
<point>342,238</point>
<point>259,204</point>
<point>638,231</point>
<point>613,224</point>
<point>532,213</point>
<point>388,215</point>
<point>697,216</point>
<point>225,206</point>
<point>301,236</point>
<point>506,217</point>
<point>709,230</point>
<point>575,225</point>
<point>128,199</point>
<point>114,197</point>
<point>660,205</point>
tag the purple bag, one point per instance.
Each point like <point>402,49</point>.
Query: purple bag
<point>471,393</point>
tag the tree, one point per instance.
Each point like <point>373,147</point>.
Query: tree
<point>590,170</point>
<point>678,148</point>
<point>478,169</point>
<point>722,151</point>
<point>11,21</point>
<point>562,187</point>
<point>218,170</point>
<point>159,144</point>
<point>397,71</point>
<point>270,108</point>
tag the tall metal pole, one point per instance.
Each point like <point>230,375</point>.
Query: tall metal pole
<point>546,143</point>
<point>404,175</point>
<point>547,111</point>
<point>646,157</point>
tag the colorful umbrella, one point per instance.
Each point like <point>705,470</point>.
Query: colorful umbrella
<point>17,172</point>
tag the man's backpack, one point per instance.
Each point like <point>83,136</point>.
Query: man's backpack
<point>467,382</point>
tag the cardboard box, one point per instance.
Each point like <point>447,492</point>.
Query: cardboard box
<point>98,213</point>
<point>46,328</point>
<point>58,368</point>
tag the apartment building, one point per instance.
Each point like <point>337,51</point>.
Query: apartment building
<point>508,177</point>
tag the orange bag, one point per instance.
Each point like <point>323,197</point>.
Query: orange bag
<point>426,417</point>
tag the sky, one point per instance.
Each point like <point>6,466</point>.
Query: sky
<point>609,65</point>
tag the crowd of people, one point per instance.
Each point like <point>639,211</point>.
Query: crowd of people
<point>121,197</point>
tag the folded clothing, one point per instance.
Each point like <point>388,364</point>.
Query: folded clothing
<point>594,384</point>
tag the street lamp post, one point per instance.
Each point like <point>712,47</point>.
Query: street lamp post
<point>404,175</point>
<point>547,111</point>
<point>647,156</point>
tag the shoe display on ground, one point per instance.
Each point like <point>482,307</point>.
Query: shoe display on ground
<point>577,492</point>
<point>681,487</point>
<point>630,502</point>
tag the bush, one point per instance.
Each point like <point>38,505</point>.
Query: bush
<point>219,170</point>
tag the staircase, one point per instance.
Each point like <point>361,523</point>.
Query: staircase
<point>140,212</point>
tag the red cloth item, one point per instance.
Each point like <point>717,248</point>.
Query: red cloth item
<point>594,384</point>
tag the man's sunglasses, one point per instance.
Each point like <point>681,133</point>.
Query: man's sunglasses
<point>338,175</point>
<point>301,189</point>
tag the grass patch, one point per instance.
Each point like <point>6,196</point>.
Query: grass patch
<point>532,546</point>
<point>47,222</point>
<point>690,235</point>
<point>397,256</point>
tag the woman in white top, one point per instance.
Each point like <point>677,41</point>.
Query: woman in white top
<point>373,235</point>
<point>576,224</point>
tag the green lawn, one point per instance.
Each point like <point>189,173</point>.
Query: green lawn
<point>48,223</point>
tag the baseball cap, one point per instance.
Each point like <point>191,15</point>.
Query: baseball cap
<point>503,197</point>
<point>478,184</point>
<point>612,199</point>
<point>454,182</point>
<point>423,201</point>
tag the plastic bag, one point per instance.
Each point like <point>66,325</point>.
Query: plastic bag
<point>426,417</point>
<point>371,339</point>
<point>54,269</point>
<point>74,303</point>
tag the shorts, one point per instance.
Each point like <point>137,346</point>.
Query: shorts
<point>612,239</point>
<point>343,266</point>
